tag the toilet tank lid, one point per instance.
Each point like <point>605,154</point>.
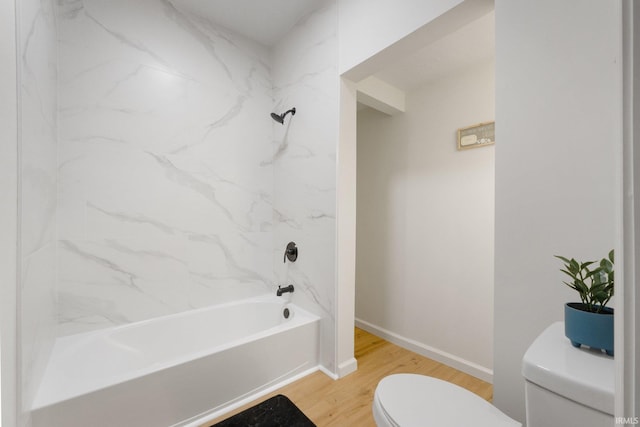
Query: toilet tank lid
<point>583,375</point>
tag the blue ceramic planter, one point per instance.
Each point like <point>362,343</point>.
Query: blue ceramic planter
<point>586,328</point>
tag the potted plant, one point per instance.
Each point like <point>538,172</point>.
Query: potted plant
<point>590,322</point>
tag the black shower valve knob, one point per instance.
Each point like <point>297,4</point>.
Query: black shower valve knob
<point>291,252</point>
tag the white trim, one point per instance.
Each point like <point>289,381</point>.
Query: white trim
<point>438,355</point>
<point>328,373</point>
<point>627,323</point>
<point>9,218</point>
<point>347,367</point>
<point>345,257</point>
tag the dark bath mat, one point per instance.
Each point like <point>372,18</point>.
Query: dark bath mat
<point>278,411</point>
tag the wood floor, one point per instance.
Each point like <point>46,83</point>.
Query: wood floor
<point>347,401</point>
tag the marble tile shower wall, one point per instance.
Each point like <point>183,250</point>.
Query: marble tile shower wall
<point>38,165</point>
<point>166,171</point>
<point>305,75</point>
<point>176,189</point>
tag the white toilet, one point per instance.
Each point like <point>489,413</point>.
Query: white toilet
<point>564,386</point>
<point>411,400</point>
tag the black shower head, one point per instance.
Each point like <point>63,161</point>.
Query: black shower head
<point>280,117</point>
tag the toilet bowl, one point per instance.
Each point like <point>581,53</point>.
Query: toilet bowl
<point>411,400</point>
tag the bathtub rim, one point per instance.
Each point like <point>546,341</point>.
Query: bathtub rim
<point>44,401</point>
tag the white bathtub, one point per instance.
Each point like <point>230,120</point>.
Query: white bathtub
<point>175,369</point>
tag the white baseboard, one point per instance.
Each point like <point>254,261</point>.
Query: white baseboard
<point>448,359</point>
<point>328,373</point>
<point>344,369</point>
<point>347,367</point>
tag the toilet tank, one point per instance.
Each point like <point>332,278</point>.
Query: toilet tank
<point>566,385</point>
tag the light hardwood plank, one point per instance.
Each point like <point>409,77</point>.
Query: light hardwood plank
<point>347,401</point>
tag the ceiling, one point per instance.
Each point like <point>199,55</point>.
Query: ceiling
<point>266,22</point>
<point>469,45</point>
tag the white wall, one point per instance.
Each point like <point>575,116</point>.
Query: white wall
<point>37,37</point>
<point>9,377</point>
<point>28,194</point>
<point>558,106</point>
<point>166,164</point>
<point>369,26</point>
<point>425,213</point>
<point>379,32</point>
<point>372,34</point>
<point>305,76</point>
<point>346,229</point>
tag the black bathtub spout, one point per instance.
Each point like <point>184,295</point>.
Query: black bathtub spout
<point>282,290</point>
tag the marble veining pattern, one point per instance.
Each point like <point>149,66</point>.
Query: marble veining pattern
<point>164,204</point>
<point>176,189</point>
<point>305,76</point>
<point>37,197</point>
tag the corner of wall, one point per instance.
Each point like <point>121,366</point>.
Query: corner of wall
<point>346,228</point>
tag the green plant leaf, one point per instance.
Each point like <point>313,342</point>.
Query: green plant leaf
<point>573,276</point>
<point>606,265</point>
<point>581,287</point>
<point>566,260</point>
<point>599,277</point>
<point>600,295</point>
<point>574,267</point>
<point>596,286</point>
<point>584,265</point>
